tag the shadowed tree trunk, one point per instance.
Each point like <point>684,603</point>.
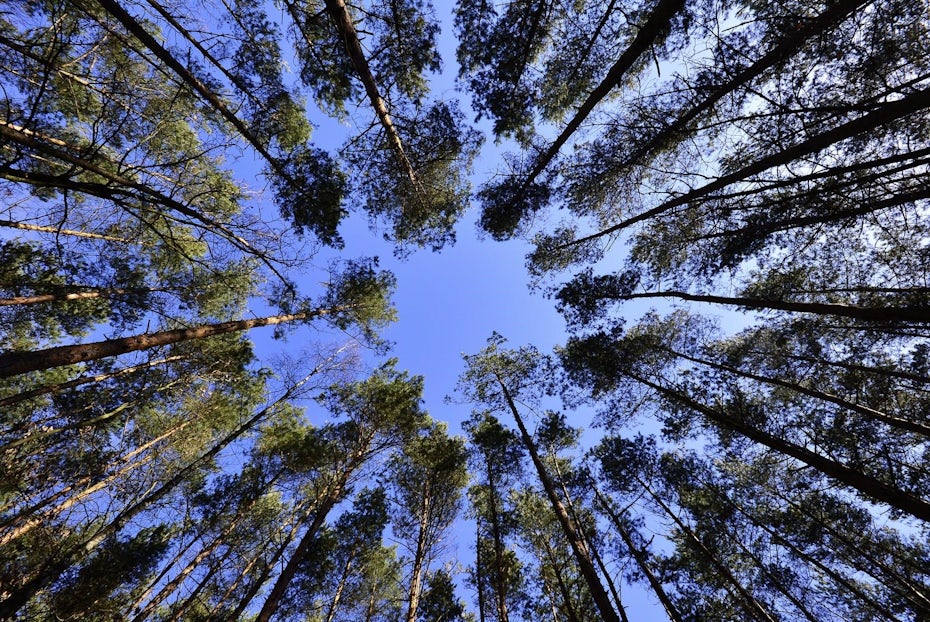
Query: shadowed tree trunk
<point>579,549</point>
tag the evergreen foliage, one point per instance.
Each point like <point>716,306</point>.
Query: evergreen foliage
<point>754,446</point>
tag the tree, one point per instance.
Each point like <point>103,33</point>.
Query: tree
<point>496,378</point>
<point>385,49</point>
<point>428,477</point>
<point>495,456</point>
<point>380,413</point>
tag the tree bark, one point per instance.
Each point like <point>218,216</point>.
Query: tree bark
<point>658,19</point>
<point>910,313</point>
<point>896,422</point>
<point>342,20</point>
<point>788,47</point>
<point>60,231</point>
<point>640,558</point>
<point>419,557</point>
<point>70,384</point>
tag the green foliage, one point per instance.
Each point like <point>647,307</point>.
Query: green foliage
<point>310,197</point>
<point>439,602</point>
<point>359,296</point>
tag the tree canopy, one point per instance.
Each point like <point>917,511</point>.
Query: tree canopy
<point>726,201</point>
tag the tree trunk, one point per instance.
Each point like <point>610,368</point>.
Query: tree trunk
<point>580,551</point>
<point>419,557</point>
<point>273,601</point>
<point>60,231</point>
<point>875,568</point>
<point>15,363</point>
<point>70,384</point>
<point>331,497</point>
<point>856,480</point>
<point>498,549</point>
<point>337,595</point>
<point>781,540</point>
<point>885,114</point>
<point>896,422</point>
<point>54,569</point>
<point>658,20</point>
<point>342,20</point>
<point>639,557</point>
<point>785,49</point>
<point>753,607</point>
<point>107,294</point>
<point>479,570</point>
<point>910,313</point>
<point>102,484</point>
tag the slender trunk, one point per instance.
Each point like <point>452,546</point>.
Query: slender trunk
<point>781,540</point>
<point>785,49</point>
<point>479,572</point>
<point>342,20</point>
<point>656,24</point>
<point>891,373</point>
<point>103,483</point>
<point>498,549</point>
<point>560,582</point>
<point>595,553</point>
<point>119,185</point>
<point>833,215</point>
<point>856,480</point>
<point>66,559</point>
<point>263,574</point>
<point>60,231</point>
<point>178,609</point>
<point>331,497</point>
<point>106,293</point>
<point>885,114</point>
<point>753,607</point>
<point>580,551</point>
<point>172,585</point>
<point>304,547</point>
<point>639,556</point>
<point>70,384</point>
<point>244,89</point>
<point>614,592</point>
<point>867,172</point>
<point>82,423</point>
<point>419,556</point>
<point>773,580</point>
<point>875,568</point>
<point>15,363</point>
<point>337,595</point>
<point>896,422</point>
<point>911,313</point>
<point>206,93</point>
<point>152,583</point>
